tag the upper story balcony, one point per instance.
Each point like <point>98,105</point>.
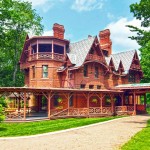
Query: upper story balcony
<point>46,49</point>
<point>47,56</point>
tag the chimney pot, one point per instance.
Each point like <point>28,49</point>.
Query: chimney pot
<point>58,31</point>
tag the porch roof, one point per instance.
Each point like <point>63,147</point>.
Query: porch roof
<point>43,89</point>
<point>139,86</point>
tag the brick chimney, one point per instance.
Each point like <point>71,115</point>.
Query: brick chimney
<point>105,41</point>
<point>58,31</point>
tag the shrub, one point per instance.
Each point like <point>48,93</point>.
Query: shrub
<point>2,116</point>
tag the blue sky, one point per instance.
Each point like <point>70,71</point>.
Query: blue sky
<point>87,17</point>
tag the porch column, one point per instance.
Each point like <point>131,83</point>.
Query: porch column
<point>68,97</point>
<point>88,104</point>
<point>25,99</point>
<point>49,105</point>
<point>122,99</point>
<point>112,105</point>
<point>101,103</point>
<point>145,101</point>
<point>134,100</point>
<point>37,49</point>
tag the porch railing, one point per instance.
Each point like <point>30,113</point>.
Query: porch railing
<point>98,110</point>
<point>124,108</point>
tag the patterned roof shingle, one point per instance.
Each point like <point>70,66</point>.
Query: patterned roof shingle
<point>125,57</point>
<point>79,50</point>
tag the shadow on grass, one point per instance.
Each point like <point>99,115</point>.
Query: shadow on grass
<point>3,129</point>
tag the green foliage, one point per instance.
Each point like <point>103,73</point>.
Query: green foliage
<point>141,11</point>
<point>32,128</point>
<point>141,141</point>
<point>16,19</point>
<point>3,102</point>
<point>2,116</point>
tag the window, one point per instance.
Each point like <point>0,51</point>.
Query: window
<point>70,75</point>
<point>131,78</point>
<point>56,100</point>
<point>33,71</point>
<point>45,47</point>
<point>96,72</point>
<point>34,49</point>
<point>71,100</point>
<point>107,100</point>
<point>85,70</point>
<point>98,87</point>
<point>58,49</point>
<point>82,86</point>
<point>45,71</point>
<point>91,86</point>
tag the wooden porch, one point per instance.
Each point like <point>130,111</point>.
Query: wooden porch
<point>85,103</point>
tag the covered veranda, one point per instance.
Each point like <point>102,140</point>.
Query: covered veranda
<point>74,102</point>
<point>65,102</point>
<point>135,95</point>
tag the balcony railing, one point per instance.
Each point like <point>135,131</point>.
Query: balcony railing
<point>94,57</point>
<point>47,56</point>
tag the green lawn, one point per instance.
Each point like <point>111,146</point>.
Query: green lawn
<point>141,141</point>
<point>32,128</point>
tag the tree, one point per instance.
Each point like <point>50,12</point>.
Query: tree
<point>141,11</point>
<point>3,104</point>
<point>16,19</point>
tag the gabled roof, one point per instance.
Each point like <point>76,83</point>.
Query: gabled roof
<point>79,50</point>
<point>125,57</point>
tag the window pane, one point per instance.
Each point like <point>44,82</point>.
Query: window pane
<point>45,47</point>
<point>85,70</point>
<point>58,49</point>
<point>45,71</point>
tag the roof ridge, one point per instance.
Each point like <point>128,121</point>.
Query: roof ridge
<point>123,52</point>
<point>83,40</point>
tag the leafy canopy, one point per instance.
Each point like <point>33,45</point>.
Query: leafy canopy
<point>141,11</point>
<point>16,19</point>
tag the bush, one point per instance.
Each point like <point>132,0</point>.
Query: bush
<point>2,116</point>
<point>3,102</point>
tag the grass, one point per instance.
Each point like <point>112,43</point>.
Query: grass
<point>32,128</point>
<point>141,141</point>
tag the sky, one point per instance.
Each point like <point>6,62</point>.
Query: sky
<point>87,17</point>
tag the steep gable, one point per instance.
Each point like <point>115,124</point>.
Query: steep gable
<point>79,50</point>
<point>125,57</point>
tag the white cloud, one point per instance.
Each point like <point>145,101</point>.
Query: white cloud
<point>48,33</point>
<point>87,5</point>
<point>45,5</point>
<point>120,33</point>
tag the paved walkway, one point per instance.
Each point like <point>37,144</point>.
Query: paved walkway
<point>106,136</point>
